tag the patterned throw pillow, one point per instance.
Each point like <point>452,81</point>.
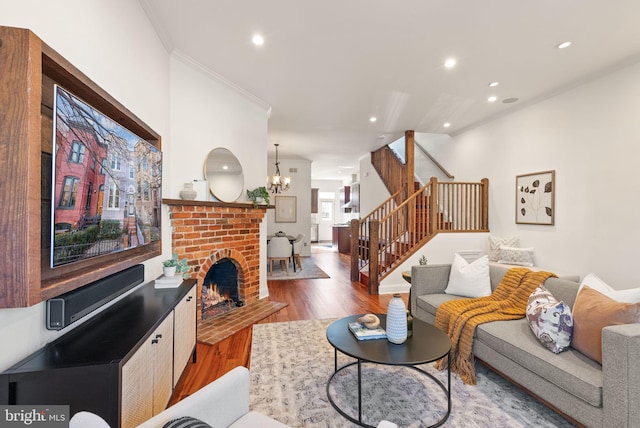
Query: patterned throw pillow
<point>495,242</point>
<point>516,256</point>
<point>186,422</point>
<point>550,320</point>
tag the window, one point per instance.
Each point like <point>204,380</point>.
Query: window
<point>145,164</point>
<point>69,192</point>
<point>114,196</point>
<point>146,190</point>
<point>326,210</point>
<point>115,163</point>
<point>131,171</point>
<point>77,152</point>
<point>103,166</point>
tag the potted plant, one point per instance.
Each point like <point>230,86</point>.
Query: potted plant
<point>258,193</point>
<point>175,265</point>
<point>169,267</point>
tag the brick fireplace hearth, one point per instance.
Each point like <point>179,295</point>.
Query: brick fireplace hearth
<point>207,232</point>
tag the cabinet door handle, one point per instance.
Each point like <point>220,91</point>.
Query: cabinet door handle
<point>158,336</point>
<point>189,298</point>
<point>154,341</point>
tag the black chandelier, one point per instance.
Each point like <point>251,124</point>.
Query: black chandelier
<point>276,183</point>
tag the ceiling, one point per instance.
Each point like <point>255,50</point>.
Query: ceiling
<point>327,66</point>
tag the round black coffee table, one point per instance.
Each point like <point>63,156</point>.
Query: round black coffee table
<point>427,344</point>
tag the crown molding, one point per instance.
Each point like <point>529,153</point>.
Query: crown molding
<point>186,59</point>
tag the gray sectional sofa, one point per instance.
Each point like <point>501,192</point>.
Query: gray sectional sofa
<point>591,394</point>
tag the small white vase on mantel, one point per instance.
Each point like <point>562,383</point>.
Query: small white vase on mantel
<point>396,320</point>
<point>187,193</point>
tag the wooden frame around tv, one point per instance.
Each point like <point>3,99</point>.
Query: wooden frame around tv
<point>31,68</point>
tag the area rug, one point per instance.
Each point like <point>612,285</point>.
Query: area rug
<point>292,361</point>
<point>309,271</point>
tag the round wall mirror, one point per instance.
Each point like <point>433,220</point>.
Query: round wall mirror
<point>224,174</point>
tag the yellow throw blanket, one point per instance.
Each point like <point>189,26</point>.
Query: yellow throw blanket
<point>459,318</point>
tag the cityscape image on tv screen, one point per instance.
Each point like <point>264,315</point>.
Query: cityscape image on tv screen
<point>106,193</point>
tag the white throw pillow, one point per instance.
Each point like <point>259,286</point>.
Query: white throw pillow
<point>624,296</point>
<point>516,256</point>
<point>469,279</point>
<point>495,242</point>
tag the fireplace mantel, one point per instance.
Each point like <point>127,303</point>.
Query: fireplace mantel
<point>185,202</point>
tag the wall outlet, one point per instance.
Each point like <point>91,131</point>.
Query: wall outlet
<point>305,244</point>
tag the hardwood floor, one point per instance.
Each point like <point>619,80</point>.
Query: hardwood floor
<point>333,297</point>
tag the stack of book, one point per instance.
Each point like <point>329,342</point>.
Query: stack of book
<point>168,281</point>
<point>363,333</point>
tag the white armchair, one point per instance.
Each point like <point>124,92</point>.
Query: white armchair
<point>223,403</point>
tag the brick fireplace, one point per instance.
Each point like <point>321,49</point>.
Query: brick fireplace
<point>207,232</point>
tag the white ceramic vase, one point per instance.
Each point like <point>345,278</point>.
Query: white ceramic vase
<point>396,320</point>
<point>187,193</point>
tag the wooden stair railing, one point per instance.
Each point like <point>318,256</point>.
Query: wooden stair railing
<point>359,229</point>
<point>383,243</point>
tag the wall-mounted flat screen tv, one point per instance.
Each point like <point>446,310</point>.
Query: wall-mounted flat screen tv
<point>106,194</point>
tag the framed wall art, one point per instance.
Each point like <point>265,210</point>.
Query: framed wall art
<point>535,195</point>
<point>285,209</point>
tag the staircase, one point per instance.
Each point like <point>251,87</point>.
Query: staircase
<point>401,225</point>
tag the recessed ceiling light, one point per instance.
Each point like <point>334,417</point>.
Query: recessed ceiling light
<point>450,63</point>
<point>382,137</point>
<point>492,98</point>
<point>447,124</point>
<point>225,167</point>
<point>373,119</point>
<point>258,40</point>
<point>509,100</point>
<point>564,45</point>
<point>493,84</point>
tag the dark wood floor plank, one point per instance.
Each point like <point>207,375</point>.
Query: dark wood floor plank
<point>333,297</point>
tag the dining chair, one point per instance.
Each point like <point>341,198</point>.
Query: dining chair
<point>297,248</point>
<point>279,249</point>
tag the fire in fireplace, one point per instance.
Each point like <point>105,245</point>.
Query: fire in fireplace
<point>220,289</point>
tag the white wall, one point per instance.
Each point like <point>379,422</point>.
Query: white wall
<point>206,113</point>
<point>372,189</point>
<point>116,49</point>
<point>301,189</point>
<point>590,136</point>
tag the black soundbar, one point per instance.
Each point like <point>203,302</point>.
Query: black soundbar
<point>70,307</point>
